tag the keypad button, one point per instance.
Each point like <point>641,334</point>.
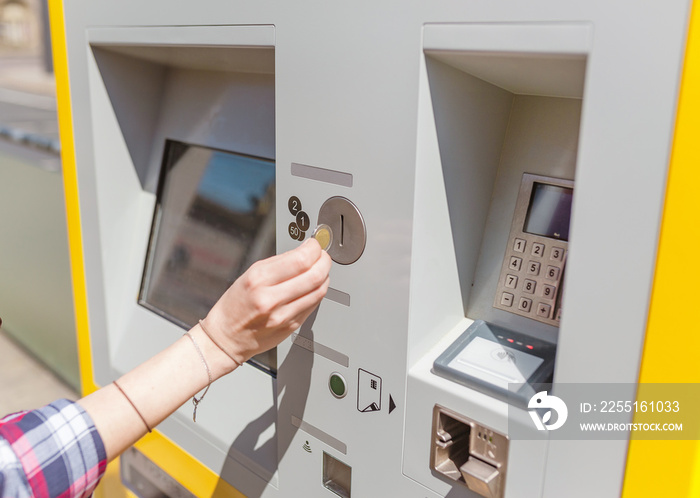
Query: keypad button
<point>543,310</point>
<point>558,317</point>
<point>537,249</point>
<point>525,304</point>
<point>557,254</point>
<point>552,273</point>
<point>529,286</point>
<point>548,291</point>
<point>507,299</point>
<point>533,268</point>
<point>530,277</point>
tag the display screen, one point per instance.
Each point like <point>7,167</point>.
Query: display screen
<point>549,212</point>
<point>214,217</point>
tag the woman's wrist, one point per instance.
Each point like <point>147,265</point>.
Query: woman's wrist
<point>219,362</point>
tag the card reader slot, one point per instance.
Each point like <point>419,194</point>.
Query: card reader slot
<point>469,453</point>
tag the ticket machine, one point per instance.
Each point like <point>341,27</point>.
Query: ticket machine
<point>493,176</point>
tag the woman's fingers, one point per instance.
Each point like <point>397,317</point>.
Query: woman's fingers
<point>302,284</point>
<point>291,315</point>
<point>271,299</point>
<point>282,267</point>
<point>278,324</point>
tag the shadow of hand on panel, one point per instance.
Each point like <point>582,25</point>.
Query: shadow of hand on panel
<point>293,379</point>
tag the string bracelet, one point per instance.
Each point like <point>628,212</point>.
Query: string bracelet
<point>201,324</point>
<point>133,405</point>
<point>196,401</point>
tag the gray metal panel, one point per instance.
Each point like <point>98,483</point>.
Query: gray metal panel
<point>349,96</point>
<point>136,111</point>
<point>471,119</point>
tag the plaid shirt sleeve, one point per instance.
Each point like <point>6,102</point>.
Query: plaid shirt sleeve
<point>54,451</point>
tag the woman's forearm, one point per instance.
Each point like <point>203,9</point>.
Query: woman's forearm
<point>157,388</point>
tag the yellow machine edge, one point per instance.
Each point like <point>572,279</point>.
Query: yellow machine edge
<point>672,324</point>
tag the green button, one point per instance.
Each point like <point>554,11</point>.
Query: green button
<point>337,385</point>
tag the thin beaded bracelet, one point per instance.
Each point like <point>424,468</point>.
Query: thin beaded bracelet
<point>196,401</point>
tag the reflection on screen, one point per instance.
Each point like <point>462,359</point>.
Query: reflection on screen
<point>215,216</point>
<point>550,211</point>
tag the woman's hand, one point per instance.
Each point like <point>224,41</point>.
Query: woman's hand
<point>269,301</point>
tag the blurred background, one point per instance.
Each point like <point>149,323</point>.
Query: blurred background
<point>38,351</point>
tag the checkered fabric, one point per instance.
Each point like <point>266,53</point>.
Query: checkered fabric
<point>54,451</point>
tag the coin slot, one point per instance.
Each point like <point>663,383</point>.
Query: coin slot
<point>348,227</point>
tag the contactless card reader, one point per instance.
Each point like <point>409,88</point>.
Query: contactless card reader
<point>498,361</point>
